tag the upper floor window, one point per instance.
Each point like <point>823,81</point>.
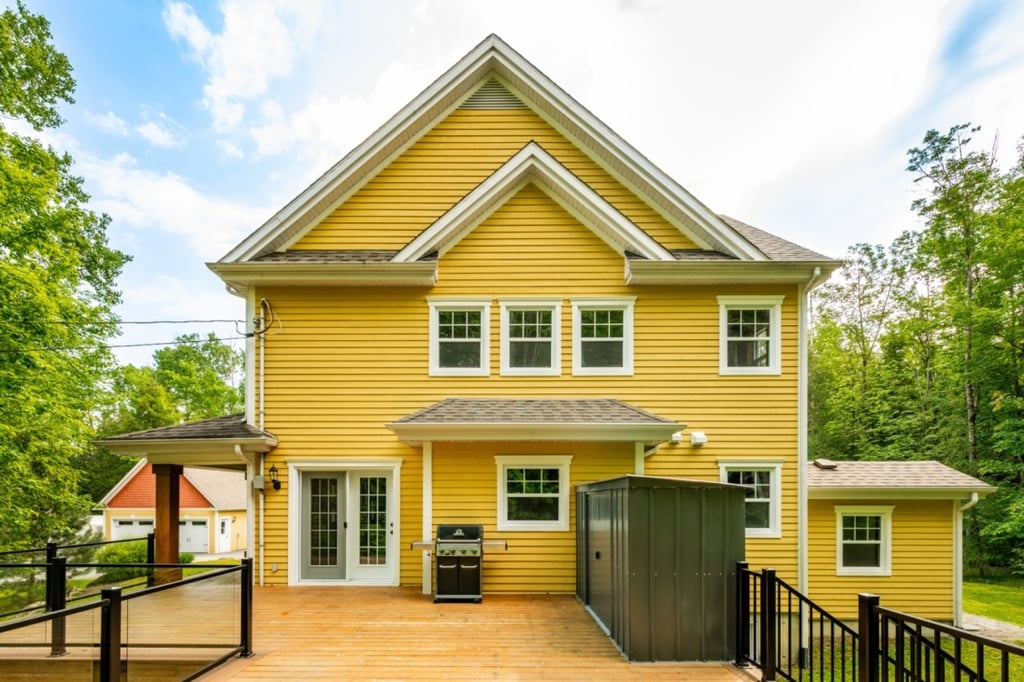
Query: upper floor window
<point>750,336</point>
<point>533,492</point>
<point>863,540</point>
<point>762,506</point>
<point>602,336</point>
<point>459,337</point>
<point>530,338</point>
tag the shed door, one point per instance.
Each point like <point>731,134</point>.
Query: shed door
<point>599,563</point>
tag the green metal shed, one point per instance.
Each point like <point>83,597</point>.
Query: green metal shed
<point>656,564</point>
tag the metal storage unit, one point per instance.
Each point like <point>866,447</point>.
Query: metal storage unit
<point>656,564</point>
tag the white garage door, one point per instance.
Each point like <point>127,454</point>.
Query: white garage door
<point>125,529</point>
<point>193,536</point>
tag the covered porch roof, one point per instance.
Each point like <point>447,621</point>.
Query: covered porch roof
<point>220,442</point>
<point>534,419</point>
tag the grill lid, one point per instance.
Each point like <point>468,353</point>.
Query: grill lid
<point>459,532</point>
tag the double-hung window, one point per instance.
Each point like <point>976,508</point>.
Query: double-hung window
<point>530,338</point>
<point>750,336</point>
<point>533,492</point>
<point>762,508</point>
<point>864,540</point>
<point>459,337</point>
<point>602,342</point>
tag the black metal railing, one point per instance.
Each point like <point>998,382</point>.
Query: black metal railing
<point>50,629</point>
<point>787,635</point>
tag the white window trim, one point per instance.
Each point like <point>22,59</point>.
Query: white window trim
<point>727,464</point>
<point>560,462</point>
<point>624,303</point>
<point>883,511</point>
<point>772,303</point>
<point>481,304</point>
<point>548,304</point>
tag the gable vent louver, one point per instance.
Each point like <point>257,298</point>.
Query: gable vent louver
<point>492,95</point>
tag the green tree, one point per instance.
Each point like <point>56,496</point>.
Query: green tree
<point>57,289</point>
<point>200,375</point>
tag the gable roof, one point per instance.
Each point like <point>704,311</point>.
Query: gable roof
<point>221,489</point>
<point>534,419</point>
<point>493,70</point>
<point>856,479</point>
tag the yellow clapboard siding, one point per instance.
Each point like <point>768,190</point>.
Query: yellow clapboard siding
<point>922,559</point>
<point>450,160</point>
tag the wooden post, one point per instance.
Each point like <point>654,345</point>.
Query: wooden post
<point>168,502</point>
<point>868,637</point>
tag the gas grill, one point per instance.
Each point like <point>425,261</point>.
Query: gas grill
<point>459,552</point>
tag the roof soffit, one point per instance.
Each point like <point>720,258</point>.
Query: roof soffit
<point>533,164</point>
<point>493,56</point>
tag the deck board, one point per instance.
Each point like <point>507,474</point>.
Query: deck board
<point>339,633</point>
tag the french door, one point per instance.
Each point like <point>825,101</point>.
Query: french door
<point>347,526</point>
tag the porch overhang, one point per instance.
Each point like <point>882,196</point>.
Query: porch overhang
<point>704,272</point>
<point>527,419</point>
<point>241,276</point>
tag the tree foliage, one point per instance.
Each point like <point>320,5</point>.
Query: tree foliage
<point>57,289</point>
<point>918,348</point>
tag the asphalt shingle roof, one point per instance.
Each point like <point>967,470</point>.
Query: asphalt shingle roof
<point>231,426</point>
<point>776,248</point>
<point>891,475</point>
<point>532,411</point>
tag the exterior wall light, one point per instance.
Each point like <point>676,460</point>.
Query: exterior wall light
<point>274,481</point>
<point>698,438</point>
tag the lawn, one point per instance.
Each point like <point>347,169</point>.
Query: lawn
<point>1000,599</point>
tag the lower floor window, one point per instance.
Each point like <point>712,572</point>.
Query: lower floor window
<point>533,492</point>
<point>863,540</point>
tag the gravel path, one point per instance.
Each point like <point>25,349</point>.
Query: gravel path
<point>996,629</point>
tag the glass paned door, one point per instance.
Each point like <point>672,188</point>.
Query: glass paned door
<point>323,533</point>
<point>375,540</point>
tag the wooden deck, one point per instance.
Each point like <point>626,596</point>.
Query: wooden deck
<point>339,633</point>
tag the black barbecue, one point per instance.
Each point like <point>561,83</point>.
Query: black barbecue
<point>459,554</point>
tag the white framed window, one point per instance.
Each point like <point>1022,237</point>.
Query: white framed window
<point>460,337</point>
<point>763,504</point>
<point>531,337</point>
<point>750,334</point>
<point>864,540</point>
<point>533,492</point>
<point>602,339</point>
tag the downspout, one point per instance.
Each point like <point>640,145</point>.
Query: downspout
<point>958,559</point>
<point>263,492</point>
<point>803,321</point>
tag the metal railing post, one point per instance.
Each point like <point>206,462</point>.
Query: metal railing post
<point>150,559</point>
<point>742,613</point>
<point>110,636</point>
<point>868,640</point>
<point>56,600</point>
<point>769,625</point>
<point>51,552</point>
<point>246,602</point>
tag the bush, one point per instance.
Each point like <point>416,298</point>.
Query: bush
<point>127,553</point>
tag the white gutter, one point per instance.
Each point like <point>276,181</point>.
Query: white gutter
<point>958,559</point>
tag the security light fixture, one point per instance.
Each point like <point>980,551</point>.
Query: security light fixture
<point>274,481</point>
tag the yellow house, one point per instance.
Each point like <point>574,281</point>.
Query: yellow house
<point>889,528</point>
<point>491,300</point>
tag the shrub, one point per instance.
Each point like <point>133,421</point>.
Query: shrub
<point>127,553</point>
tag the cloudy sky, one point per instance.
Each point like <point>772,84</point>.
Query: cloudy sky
<point>195,121</point>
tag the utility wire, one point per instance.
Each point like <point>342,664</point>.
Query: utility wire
<point>118,345</point>
<point>121,322</point>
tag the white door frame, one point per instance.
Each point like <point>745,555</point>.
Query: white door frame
<point>296,467</point>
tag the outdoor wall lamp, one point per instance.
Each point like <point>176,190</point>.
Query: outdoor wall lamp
<point>274,480</point>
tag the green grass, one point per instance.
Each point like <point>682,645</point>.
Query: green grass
<point>1002,599</point>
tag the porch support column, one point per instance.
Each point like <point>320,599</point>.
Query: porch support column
<point>428,509</point>
<point>168,503</point>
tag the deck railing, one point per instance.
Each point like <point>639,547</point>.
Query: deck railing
<point>204,609</point>
<point>789,637</point>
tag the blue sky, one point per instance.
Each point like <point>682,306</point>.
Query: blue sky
<point>195,121</point>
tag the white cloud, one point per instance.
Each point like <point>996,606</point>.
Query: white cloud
<point>141,199</point>
<point>108,123</point>
<point>259,42</point>
<point>157,135</point>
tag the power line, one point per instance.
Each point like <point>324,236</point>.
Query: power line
<point>57,349</point>
<point>122,322</point>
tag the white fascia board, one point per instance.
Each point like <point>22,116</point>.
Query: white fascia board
<point>721,235</point>
<point>682,272</point>
<point>244,275</point>
<point>532,162</point>
<point>188,450</point>
<point>819,493</point>
<point>415,434</point>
